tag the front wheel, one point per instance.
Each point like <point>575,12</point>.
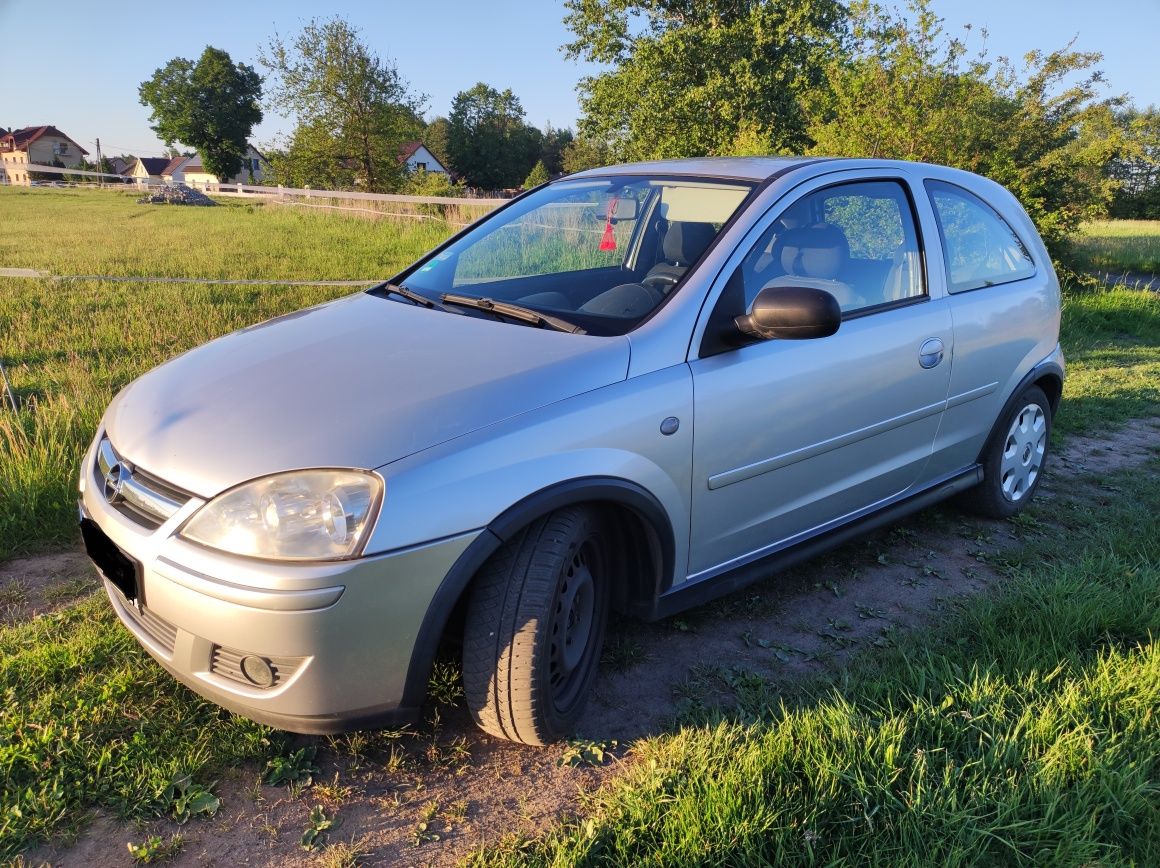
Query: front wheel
<point>535,626</point>
<point>1013,460</point>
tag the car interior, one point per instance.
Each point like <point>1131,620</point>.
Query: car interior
<point>803,248</point>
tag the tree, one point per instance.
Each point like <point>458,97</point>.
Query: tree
<point>539,175</point>
<point>906,91</point>
<point>584,153</point>
<point>353,109</point>
<point>552,148</point>
<point>314,157</point>
<point>211,105</point>
<point>488,141</point>
<point>1137,170</point>
<point>695,77</point>
<point>436,138</point>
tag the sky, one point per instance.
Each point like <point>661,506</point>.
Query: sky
<point>79,66</point>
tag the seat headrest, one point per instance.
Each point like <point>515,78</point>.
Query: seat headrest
<point>814,251</point>
<point>684,242</point>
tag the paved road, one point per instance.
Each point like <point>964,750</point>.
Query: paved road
<point>1132,279</point>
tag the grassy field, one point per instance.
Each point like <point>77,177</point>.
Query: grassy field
<point>1121,245</point>
<point>92,232</point>
<point>1021,730</point>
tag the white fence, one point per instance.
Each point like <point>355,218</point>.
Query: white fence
<point>352,195</point>
<point>282,193</point>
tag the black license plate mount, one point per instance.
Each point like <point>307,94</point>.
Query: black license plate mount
<point>122,571</point>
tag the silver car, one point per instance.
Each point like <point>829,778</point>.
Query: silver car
<point>638,387</point>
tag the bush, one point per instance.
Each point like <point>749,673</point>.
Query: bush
<point>424,183</point>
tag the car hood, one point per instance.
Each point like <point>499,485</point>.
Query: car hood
<point>357,382</point>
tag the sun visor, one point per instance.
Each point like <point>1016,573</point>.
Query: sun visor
<point>692,203</point>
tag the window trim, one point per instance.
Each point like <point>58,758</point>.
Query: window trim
<point>917,222</point>
<point>706,342</point>
<point>914,218</point>
<point>958,189</point>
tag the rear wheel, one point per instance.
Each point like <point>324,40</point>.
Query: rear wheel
<point>1014,459</point>
<point>535,626</point>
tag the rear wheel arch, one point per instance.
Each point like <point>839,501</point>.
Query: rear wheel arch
<point>1048,377</point>
<point>1051,383</point>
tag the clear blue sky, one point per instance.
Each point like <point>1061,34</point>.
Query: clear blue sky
<point>77,65</point>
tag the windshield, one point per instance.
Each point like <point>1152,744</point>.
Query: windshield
<point>600,254</point>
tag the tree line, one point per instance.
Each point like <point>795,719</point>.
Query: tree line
<point>696,77</point>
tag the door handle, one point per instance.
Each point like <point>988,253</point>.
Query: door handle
<point>931,352</point>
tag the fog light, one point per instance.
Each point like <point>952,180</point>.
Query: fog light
<point>258,671</point>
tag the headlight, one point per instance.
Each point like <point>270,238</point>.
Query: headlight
<point>305,515</point>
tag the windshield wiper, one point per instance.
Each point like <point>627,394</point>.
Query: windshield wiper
<point>403,292</point>
<point>513,311</point>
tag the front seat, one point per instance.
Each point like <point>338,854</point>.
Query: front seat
<point>816,256</point>
<point>683,245</point>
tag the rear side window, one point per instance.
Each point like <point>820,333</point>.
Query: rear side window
<point>980,247</point>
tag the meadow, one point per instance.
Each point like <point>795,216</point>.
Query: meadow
<point>1020,729</point>
<point>1120,246</point>
<point>92,232</point>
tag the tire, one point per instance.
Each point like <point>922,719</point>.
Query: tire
<point>535,626</point>
<point>1013,459</point>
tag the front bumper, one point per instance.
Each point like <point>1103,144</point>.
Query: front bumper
<point>339,637</point>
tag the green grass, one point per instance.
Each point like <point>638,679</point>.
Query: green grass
<point>1022,730</point>
<point>1111,341</point>
<point>1120,246</point>
<point>88,721</point>
<point>94,232</point>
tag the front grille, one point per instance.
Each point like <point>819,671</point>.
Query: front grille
<point>158,629</point>
<point>227,663</point>
<point>133,492</point>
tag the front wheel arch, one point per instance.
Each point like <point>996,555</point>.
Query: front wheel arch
<point>640,528</point>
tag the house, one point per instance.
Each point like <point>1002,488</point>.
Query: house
<point>35,146</point>
<point>147,170</point>
<point>189,170</point>
<point>417,156</point>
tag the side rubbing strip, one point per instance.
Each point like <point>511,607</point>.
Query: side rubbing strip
<point>740,474</point>
<point>972,395</point>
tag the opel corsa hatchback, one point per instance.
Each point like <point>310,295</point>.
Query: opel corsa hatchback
<point>637,387</point>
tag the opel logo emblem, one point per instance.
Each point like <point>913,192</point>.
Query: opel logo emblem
<point>114,482</point>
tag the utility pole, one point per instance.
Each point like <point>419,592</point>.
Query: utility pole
<point>100,178</point>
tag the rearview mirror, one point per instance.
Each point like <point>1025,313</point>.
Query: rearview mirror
<point>791,313</point>
<point>624,209</point>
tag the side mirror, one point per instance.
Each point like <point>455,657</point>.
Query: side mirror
<point>791,313</point>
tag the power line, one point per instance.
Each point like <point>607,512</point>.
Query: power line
<point>130,149</point>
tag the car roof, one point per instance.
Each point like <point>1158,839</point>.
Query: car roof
<point>763,168</point>
<point>746,168</point>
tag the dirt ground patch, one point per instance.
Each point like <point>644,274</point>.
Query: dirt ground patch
<point>430,795</point>
<point>34,586</point>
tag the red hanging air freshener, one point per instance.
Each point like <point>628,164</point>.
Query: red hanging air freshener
<point>608,240</point>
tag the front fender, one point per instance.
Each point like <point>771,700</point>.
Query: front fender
<point>604,446</point>
<point>613,432</point>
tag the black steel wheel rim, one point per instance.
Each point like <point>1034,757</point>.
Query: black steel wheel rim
<point>574,625</point>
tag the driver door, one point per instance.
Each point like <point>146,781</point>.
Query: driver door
<point>793,437</point>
